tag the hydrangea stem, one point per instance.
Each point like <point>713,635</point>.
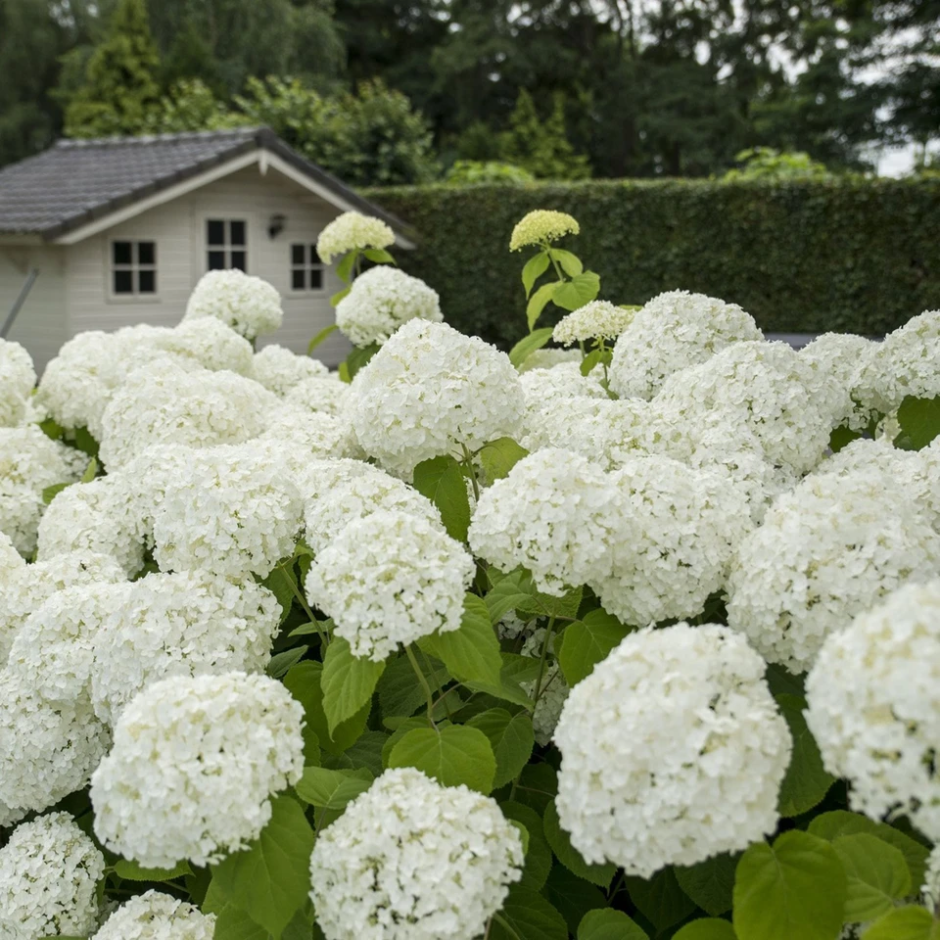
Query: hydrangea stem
<point>424,683</point>
<point>549,632</point>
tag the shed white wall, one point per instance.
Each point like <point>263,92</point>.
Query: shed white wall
<point>41,326</point>
<point>178,228</point>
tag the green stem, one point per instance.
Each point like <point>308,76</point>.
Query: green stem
<point>424,683</point>
<point>324,639</point>
<point>444,692</point>
<point>549,631</point>
<point>468,463</point>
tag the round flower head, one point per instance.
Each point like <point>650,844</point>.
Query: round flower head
<point>599,319</point>
<point>49,873</point>
<point>353,231</point>
<point>194,764</point>
<point>673,533</point>
<point>185,624</point>
<point>412,860</point>
<point>295,436</point>
<point>431,391</point>
<point>845,357</point>
<point>249,305</point>
<point>210,343</point>
<point>672,751</point>
<point>874,706</point>
<point>390,578</point>
<point>542,226</point>
<point>323,394</point>
<point>232,511</point>
<point>156,916</point>
<point>826,551</point>
<point>322,476</point>
<point>380,301</point>
<point>672,332</point>
<point>552,515</point>
<point>359,497</point>
<point>542,387</point>
<point>17,378</point>
<point>279,370</point>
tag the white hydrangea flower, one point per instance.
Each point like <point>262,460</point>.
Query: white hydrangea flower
<point>389,578</point>
<point>826,551</point>
<point>325,394</point>
<point>412,860</point>
<point>185,624</point>
<point>156,916</point>
<point>553,514</point>
<point>249,305</point>
<point>296,436</point>
<point>194,764</point>
<point>49,874</point>
<point>553,691</point>
<point>164,404</point>
<point>672,751</point>
<point>320,477</point>
<point>672,332</point>
<point>874,706</point>
<point>673,532</point>
<point>25,587</point>
<point>279,370</point>
<point>599,319</point>
<point>790,406</point>
<point>549,359</point>
<point>231,511</point>
<point>10,558</point>
<point>845,357</point>
<point>47,749</point>
<point>930,890</point>
<point>94,517</point>
<point>17,379</point>
<point>208,342</point>
<point>380,301</point>
<point>353,230</point>
<point>359,497</point>
<point>541,226</point>
<point>430,391</point>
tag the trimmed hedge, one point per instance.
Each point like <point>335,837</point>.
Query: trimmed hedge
<point>801,257</point>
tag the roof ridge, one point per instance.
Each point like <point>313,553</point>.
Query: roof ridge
<point>64,143</point>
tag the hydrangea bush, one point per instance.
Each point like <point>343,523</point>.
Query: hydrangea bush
<point>637,639</point>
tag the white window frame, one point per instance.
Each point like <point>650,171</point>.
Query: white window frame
<point>310,249</point>
<point>135,295</point>
<point>226,247</point>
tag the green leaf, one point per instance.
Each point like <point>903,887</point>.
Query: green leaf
<point>500,456</point>
<point>534,268</point>
<point>379,256</point>
<point>587,642</point>
<point>321,336</point>
<point>569,856</point>
<point>359,358</point>
<point>85,442</point>
<point>452,755</point>
<point>842,437</point>
<point>526,915</point>
<point>577,292</point>
<point>49,493</point>
<point>271,879</point>
<point>442,480</point>
<point>806,782</point>
<point>348,682</point>
<point>797,888</point>
<point>573,896</point>
<point>515,591</point>
<point>334,300</point>
<point>529,344</point>
<point>512,740</point>
<point>570,263</point>
<point>877,876</point>
<point>593,358</point>
<point>131,871</point>
<point>90,471</point>
<point>609,925</point>
<point>281,663</point>
<point>905,923</point>
<point>710,884</point>
<point>309,629</point>
<point>538,859</point>
<point>919,419</point>
<point>366,752</point>
<point>400,693</point>
<point>347,262</point>
<point>660,899</point>
<point>470,653</point>
<point>539,300</point>
<point>332,789</point>
<point>281,583</point>
<point>708,928</point>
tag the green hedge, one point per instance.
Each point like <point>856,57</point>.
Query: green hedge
<point>807,257</point>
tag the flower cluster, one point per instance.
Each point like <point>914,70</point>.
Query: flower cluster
<point>17,378</point>
<point>249,305</point>
<point>598,319</point>
<point>279,370</point>
<point>353,231</point>
<point>412,860</point>
<point>156,916</point>
<point>542,226</point>
<point>324,395</point>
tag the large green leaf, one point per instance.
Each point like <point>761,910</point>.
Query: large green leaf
<point>660,899</point>
<point>710,883</point>
<point>570,263</point>
<point>796,888</point>
<point>366,752</point>
<point>539,300</point>
<point>609,925</point>
<point>919,419</point>
<point>538,858</point>
<point>806,782</point>
<point>580,290</point>
<point>573,896</point>
<point>534,268</point>
<point>587,642</point>
<point>332,789</point>
<point>131,871</point>
<point>529,344</point>
<point>400,693</point>
<point>443,481</point>
<point>512,739</point>
<point>515,591</point>
<point>708,928</point>
<point>347,682</point>
<point>906,923</point>
<point>452,755</point>
<point>877,876</point>
<point>500,456</point>
<point>270,880</point>
<point>526,915</point>
<point>569,856</point>
<point>470,653</point>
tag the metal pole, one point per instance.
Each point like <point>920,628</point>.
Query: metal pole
<point>15,309</point>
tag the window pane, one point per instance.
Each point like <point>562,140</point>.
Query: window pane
<point>123,282</point>
<point>297,279</point>
<point>216,260</point>
<point>146,253</point>
<point>238,260</point>
<point>316,279</point>
<point>121,252</point>
<point>215,232</point>
<point>314,257</point>
<point>297,254</point>
<point>147,282</point>
<point>237,233</point>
